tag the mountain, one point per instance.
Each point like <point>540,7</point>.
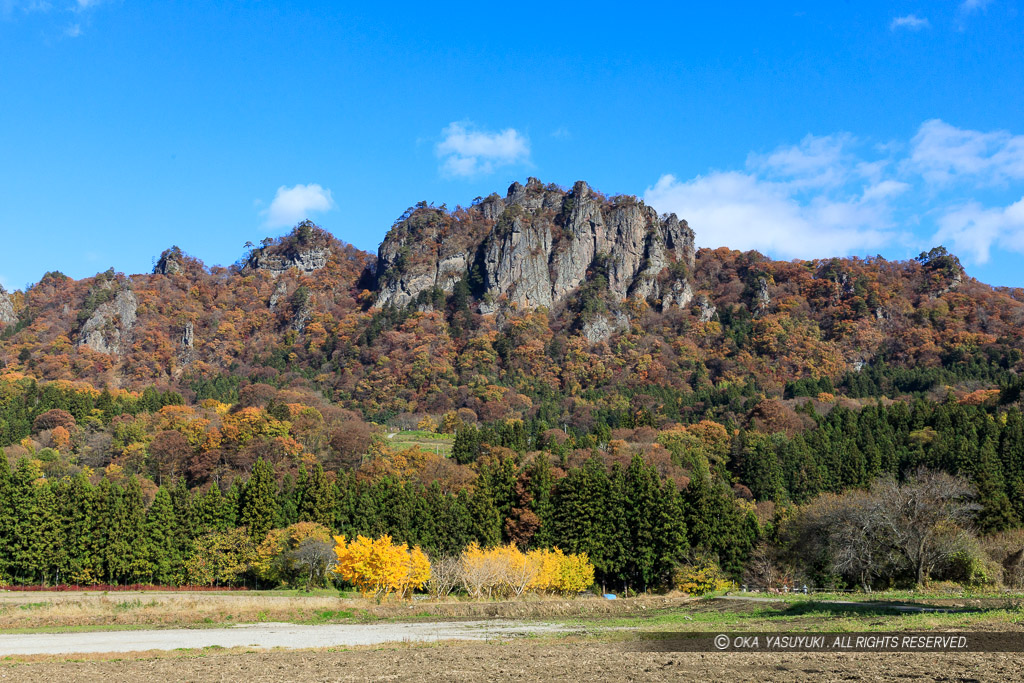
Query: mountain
<point>568,369</point>
<point>540,296</point>
<point>534,248</point>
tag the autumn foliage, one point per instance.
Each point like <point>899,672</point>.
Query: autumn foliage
<point>505,571</point>
<point>380,567</point>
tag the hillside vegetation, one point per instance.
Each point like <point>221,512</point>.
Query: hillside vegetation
<point>601,386</point>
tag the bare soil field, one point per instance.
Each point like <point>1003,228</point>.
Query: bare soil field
<point>522,660</point>
<point>549,639</point>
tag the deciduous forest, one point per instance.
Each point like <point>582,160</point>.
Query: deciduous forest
<point>196,425</point>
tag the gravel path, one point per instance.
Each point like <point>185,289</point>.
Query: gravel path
<point>269,635</point>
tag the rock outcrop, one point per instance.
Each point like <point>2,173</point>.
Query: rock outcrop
<point>7,315</point>
<point>171,262</point>
<point>705,309</point>
<point>604,326</point>
<point>188,337</point>
<point>109,328</point>
<point>306,260</point>
<point>307,248</point>
<point>534,247</point>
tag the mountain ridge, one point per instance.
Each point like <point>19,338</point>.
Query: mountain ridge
<point>555,271</point>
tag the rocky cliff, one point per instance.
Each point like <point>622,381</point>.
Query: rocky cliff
<point>7,315</point>
<point>109,328</point>
<point>308,249</point>
<point>534,247</point>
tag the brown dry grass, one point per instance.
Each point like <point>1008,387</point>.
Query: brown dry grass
<point>60,610</point>
<point>157,610</point>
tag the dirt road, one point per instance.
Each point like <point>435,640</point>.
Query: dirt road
<point>263,636</point>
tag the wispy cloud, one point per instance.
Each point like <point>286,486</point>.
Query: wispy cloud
<point>975,230</point>
<point>467,151</point>
<point>818,161</point>
<point>910,22</point>
<point>817,197</point>
<point>9,7</point>
<point>294,204</point>
<point>969,6</point>
<point>744,211</point>
<point>73,31</point>
<point>837,195</point>
<point>942,153</point>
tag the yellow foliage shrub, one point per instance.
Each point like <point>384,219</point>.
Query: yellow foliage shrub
<point>700,577</point>
<point>505,571</point>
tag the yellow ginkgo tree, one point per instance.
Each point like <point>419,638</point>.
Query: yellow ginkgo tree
<point>381,567</point>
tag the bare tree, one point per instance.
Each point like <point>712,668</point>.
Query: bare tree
<point>445,575</point>
<point>910,528</point>
<point>922,517</point>
<point>315,557</point>
<point>859,546</point>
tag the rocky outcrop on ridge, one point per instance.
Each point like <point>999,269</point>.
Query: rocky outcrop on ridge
<point>7,315</point>
<point>533,248</point>
<point>109,328</point>
<point>308,249</point>
<point>306,260</point>
<point>170,263</point>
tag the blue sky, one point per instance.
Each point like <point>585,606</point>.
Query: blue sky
<point>799,129</point>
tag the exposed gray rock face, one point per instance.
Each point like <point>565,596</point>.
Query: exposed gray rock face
<point>188,336</point>
<point>278,294</point>
<point>705,309</point>
<point>169,263</point>
<point>954,283</point>
<point>186,350</point>
<point>679,293</point>
<point>516,262</point>
<point>535,246</point>
<point>306,259</point>
<point>301,317</point>
<point>109,328</point>
<point>762,299</point>
<point>604,326</point>
<point>7,315</point>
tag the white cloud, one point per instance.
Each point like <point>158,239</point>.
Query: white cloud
<point>884,189</point>
<point>294,204</point>
<point>968,6</point>
<point>7,7</point>
<point>942,153</point>
<point>835,195</point>
<point>911,22</point>
<point>817,197</point>
<point>466,151</point>
<point>73,31</point>
<point>743,211</point>
<point>975,230</point>
<point>815,162</point>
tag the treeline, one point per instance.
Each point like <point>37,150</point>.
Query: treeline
<point>850,449</point>
<point>635,526</point>
<point>24,400</point>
